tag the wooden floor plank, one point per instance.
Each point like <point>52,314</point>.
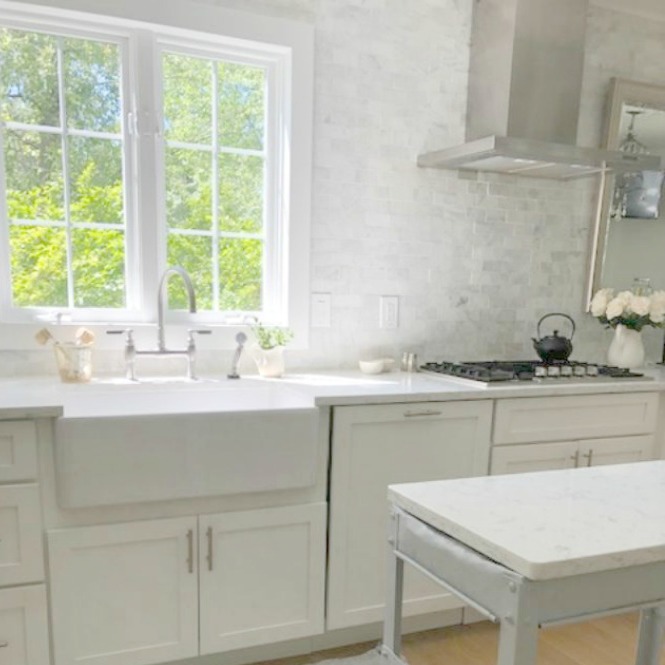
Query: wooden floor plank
<point>606,641</point>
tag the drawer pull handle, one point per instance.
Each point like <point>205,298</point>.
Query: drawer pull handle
<point>190,551</point>
<point>576,458</point>
<point>4,645</point>
<point>589,457</point>
<point>422,414</point>
<point>209,555</point>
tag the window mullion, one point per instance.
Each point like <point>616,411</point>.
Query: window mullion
<point>215,190</point>
<point>64,151</point>
<point>149,172</point>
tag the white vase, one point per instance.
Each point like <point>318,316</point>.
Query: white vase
<point>270,362</point>
<point>626,349</point>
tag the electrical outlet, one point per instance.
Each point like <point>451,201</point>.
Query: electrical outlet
<point>388,312</point>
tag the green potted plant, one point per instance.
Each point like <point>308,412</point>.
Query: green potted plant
<point>269,350</point>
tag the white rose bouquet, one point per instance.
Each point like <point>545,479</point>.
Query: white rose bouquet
<point>629,309</point>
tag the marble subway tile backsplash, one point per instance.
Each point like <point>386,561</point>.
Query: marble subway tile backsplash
<point>475,259</point>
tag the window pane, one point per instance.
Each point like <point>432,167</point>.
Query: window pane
<point>96,180</point>
<point>39,266</point>
<point>99,268</point>
<point>29,78</point>
<point>240,193</point>
<point>241,105</point>
<point>187,99</point>
<point>188,189</point>
<point>240,263</point>
<point>92,85</point>
<point>194,254</point>
<point>33,164</point>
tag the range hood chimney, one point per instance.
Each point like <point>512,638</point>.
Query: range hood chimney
<point>525,82</point>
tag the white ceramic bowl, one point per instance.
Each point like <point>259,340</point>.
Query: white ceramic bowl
<point>371,366</point>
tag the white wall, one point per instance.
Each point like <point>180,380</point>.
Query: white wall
<point>476,260</point>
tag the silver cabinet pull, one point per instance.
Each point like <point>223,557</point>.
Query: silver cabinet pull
<point>190,551</point>
<point>589,457</point>
<point>4,645</point>
<point>422,414</point>
<point>209,555</point>
<point>576,458</point>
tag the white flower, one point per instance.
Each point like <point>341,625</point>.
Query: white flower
<point>624,297</point>
<point>600,301</point>
<point>657,307</point>
<point>614,308</point>
<point>640,305</point>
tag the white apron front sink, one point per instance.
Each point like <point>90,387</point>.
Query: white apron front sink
<point>117,447</point>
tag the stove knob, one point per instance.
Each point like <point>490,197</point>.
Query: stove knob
<point>592,370</point>
<point>579,370</point>
<point>566,370</point>
<point>553,371</point>
<point>540,371</point>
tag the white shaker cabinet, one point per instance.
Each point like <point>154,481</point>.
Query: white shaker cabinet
<point>124,594</point>
<point>24,638</point>
<point>372,447</point>
<point>594,430</point>
<point>21,553</point>
<point>262,576</point>
<point>147,592</point>
<point>23,626</point>
<point>570,454</point>
<point>18,450</point>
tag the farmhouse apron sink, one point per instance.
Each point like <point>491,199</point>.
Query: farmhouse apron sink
<point>154,443</point>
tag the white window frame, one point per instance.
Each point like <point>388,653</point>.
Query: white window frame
<point>287,47</point>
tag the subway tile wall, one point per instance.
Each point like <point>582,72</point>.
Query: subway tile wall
<point>475,259</point>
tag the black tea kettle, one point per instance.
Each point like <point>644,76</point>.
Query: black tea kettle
<point>554,348</point>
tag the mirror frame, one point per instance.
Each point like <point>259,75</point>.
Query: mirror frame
<point>622,91</point>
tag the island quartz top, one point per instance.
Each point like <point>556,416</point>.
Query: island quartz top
<point>550,524</point>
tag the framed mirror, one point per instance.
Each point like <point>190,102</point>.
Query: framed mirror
<point>629,234</point>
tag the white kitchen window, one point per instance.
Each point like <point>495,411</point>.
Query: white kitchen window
<point>129,147</point>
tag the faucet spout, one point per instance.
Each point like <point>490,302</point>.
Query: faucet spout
<point>162,299</point>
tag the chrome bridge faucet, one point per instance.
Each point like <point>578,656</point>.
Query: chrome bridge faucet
<point>131,352</point>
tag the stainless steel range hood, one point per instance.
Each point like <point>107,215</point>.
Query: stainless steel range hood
<point>525,81</point>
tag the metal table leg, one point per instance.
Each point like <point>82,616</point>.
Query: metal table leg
<point>392,625</point>
<point>652,623</point>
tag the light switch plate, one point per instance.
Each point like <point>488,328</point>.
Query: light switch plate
<point>320,308</point>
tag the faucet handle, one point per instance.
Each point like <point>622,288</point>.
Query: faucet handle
<point>197,331</point>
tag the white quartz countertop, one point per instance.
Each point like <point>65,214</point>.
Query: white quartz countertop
<point>552,523</point>
<point>35,397</point>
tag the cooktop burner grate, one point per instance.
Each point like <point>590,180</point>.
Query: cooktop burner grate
<point>496,371</point>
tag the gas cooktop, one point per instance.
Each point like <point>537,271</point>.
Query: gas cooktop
<point>501,371</point>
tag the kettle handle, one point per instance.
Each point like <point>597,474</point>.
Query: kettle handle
<point>565,316</point>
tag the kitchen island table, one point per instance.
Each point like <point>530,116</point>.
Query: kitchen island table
<point>534,549</point>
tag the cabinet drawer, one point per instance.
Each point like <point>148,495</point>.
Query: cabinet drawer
<point>21,549</point>
<point>23,626</point>
<point>536,419</point>
<point>18,450</point>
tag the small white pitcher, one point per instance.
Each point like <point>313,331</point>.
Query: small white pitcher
<point>626,349</point>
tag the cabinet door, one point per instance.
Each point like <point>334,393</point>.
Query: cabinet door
<point>262,576</point>
<point>373,447</point>
<point>18,450</point>
<point>21,549</point>
<point>567,418</point>
<point>533,457</point>
<point>23,626</point>
<point>124,594</point>
<point>617,450</point>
